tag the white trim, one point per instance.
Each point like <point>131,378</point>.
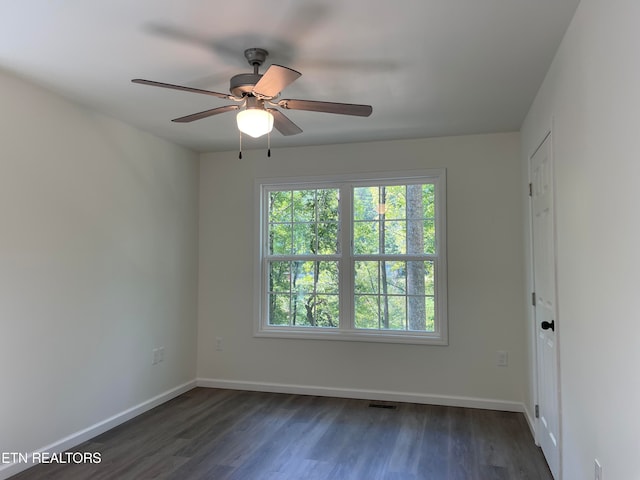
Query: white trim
<point>531,421</point>
<point>380,395</point>
<point>531,314</point>
<point>392,175</point>
<point>81,436</point>
<point>344,335</point>
<point>346,330</point>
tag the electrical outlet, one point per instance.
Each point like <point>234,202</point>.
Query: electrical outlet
<point>502,359</point>
<point>158,355</point>
<point>219,344</point>
<point>597,470</point>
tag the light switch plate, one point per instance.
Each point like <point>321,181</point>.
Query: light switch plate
<point>502,358</point>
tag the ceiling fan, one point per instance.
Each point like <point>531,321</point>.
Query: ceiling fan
<point>256,96</point>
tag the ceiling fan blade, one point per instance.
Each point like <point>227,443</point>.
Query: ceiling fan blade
<point>274,80</point>
<point>180,87</point>
<point>283,124</point>
<point>205,114</point>
<point>327,107</point>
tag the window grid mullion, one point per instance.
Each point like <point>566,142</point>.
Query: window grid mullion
<point>346,265</point>
<point>406,308</point>
<point>315,243</point>
<point>292,320</point>
<point>291,217</point>
<point>396,257</point>
<point>380,299</point>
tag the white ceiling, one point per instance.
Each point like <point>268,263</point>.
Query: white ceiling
<point>428,67</point>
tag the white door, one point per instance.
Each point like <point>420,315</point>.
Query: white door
<point>546,321</point>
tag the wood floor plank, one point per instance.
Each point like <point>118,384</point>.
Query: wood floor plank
<point>408,445</point>
<point>235,435</point>
<point>463,462</point>
<point>491,449</point>
<point>435,451</point>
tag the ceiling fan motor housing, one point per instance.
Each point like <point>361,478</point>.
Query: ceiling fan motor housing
<point>243,83</point>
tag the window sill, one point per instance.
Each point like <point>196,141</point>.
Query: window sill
<point>373,336</point>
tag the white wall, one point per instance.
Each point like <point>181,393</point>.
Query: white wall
<point>486,312</point>
<point>98,265</point>
<point>592,92</point>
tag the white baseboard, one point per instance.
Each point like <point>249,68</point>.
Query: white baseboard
<point>10,469</point>
<point>381,395</point>
<point>531,421</point>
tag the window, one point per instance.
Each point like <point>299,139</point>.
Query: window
<point>355,259</point>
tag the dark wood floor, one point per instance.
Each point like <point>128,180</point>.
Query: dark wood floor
<point>235,435</point>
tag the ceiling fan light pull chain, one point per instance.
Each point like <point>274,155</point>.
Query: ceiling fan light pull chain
<point>240,153</point>
<point>268,144</point>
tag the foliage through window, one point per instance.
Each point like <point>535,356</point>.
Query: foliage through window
<point>354,260</point>
<point>303,230</point>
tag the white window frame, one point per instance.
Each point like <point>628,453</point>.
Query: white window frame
<point>346,259</point>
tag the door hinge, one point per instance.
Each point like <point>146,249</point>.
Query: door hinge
<point>537,411</point>
<point>531,189</point>
<point>533,298</point>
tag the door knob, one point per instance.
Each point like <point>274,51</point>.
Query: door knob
<point>549,325</point>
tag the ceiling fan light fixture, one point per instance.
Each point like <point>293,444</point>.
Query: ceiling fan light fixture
<point>252,90</point>
<point>255,122</point>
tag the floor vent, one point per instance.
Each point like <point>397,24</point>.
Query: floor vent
<point>383,405</point>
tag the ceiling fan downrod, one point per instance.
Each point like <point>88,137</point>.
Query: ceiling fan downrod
<point>255,57</point>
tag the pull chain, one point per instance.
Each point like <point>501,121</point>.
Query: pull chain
<point>269,144</point>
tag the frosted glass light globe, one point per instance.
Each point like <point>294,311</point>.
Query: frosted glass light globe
<point>255,122</point>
